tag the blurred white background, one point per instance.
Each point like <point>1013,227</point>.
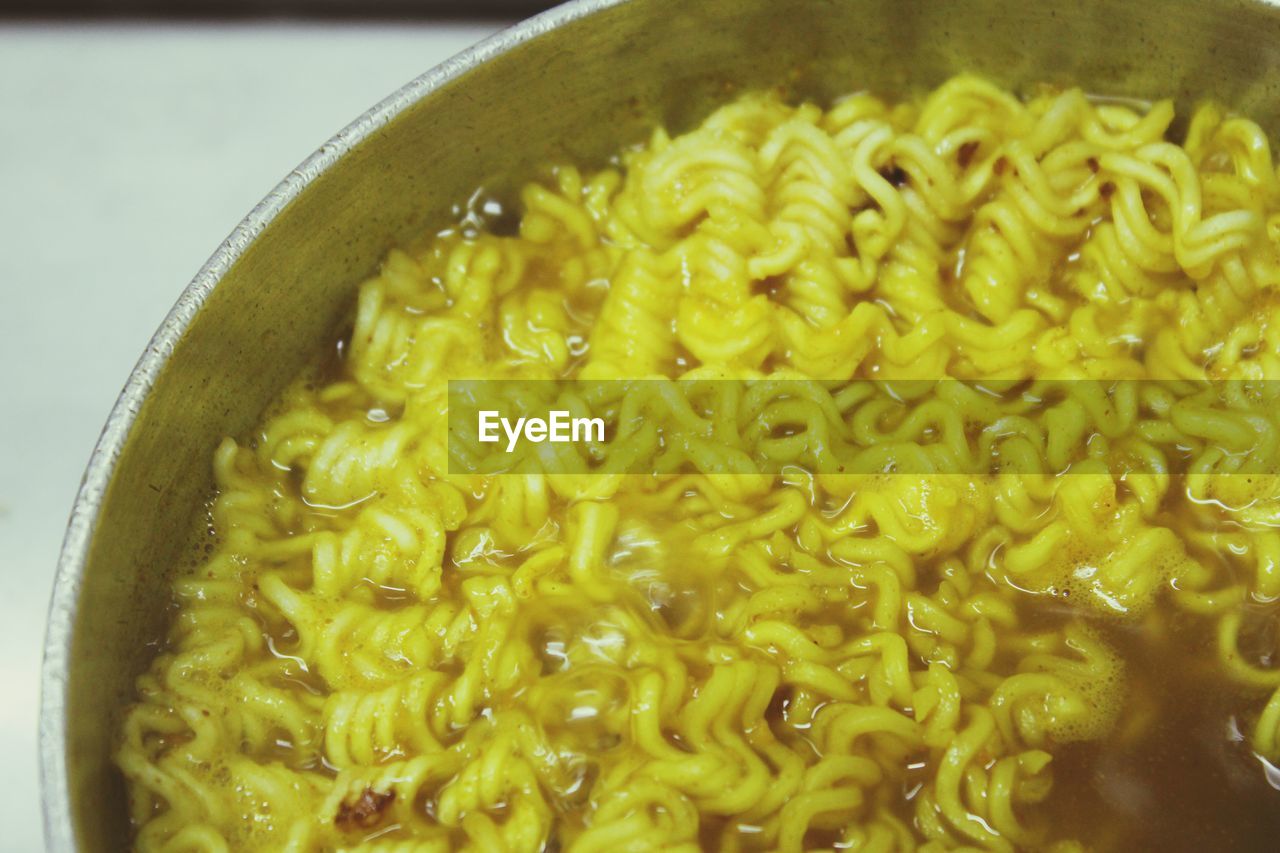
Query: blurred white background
<point>127,153</point>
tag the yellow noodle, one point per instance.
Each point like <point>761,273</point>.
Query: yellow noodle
<point>379,655</point>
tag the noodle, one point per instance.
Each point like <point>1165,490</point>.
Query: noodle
<point>381,655</point>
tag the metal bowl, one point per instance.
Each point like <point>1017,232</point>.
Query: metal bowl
<point>574,83</point>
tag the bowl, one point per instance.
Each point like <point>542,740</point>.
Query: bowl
<point>575,83</point>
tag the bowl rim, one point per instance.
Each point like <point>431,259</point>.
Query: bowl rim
<point>59,822</point>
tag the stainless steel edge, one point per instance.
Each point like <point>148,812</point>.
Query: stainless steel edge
<point>58,824</point>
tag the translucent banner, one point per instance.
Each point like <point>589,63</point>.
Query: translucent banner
<point>723,426</point>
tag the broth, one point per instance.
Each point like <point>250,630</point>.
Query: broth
<point>374,647</point>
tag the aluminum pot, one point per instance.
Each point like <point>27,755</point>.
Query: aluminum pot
<point>577,82</point>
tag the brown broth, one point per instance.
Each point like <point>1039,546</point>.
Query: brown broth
<point>1177,772</point>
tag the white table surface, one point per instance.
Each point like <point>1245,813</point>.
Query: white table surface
<point>127,153</point>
